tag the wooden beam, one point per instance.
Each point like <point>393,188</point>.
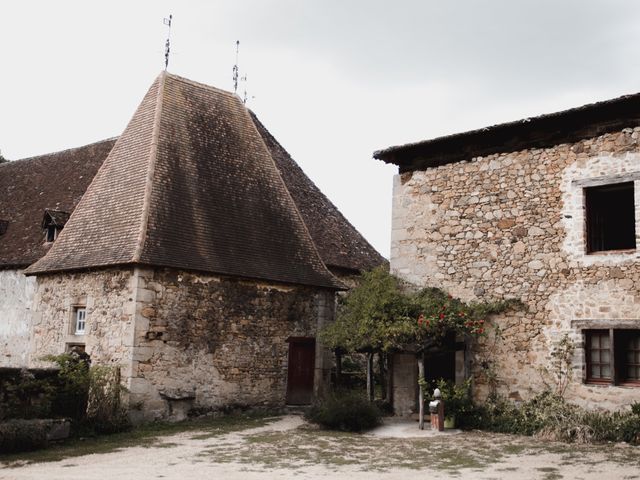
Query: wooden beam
<point>606,180</point>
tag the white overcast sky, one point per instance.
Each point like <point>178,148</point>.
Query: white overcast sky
<point>332,80</point>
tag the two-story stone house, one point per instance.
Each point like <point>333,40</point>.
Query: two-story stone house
<point>545,210</point>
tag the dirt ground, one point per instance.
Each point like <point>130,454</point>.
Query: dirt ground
<point>287,448</point>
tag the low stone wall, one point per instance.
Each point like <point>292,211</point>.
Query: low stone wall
<point>511,225</point>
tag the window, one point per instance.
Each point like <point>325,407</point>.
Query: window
<point>80,316</point>
<point>52,222</point>
<point>610,217</point>
<point>613,356</point>
<point>51,233</point>
<point>629,361</point>
<point>78,348</point>
<point>599,356</point>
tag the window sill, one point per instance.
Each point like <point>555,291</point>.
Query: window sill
<point>632,384</point>
<point>625,251</point>
<point>590,383</point>
<point>600,383</point>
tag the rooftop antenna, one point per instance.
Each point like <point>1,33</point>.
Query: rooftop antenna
<point>244,94</point>
<point>237,77</point>
<point>167,48</point>
<point>235,69</point>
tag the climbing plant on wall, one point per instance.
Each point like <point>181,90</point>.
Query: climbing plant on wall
<point>384,314</point>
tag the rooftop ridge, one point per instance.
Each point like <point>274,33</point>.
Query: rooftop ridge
<point>153,154</point>
<point>59,152</point>
<point>296,208</point>
<point>201,85</point>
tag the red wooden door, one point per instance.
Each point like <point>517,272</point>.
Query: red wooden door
<point>302,357</point>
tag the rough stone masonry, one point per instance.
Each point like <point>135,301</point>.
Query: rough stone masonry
<point>511,225</point>
<point>183,340</point>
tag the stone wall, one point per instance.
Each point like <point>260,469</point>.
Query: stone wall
<point>183,340</point>
<point>209,342</point>
<point>109,301</point>
<point>512,226</point>
<point>16,298</point>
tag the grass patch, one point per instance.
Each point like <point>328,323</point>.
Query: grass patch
<point>302,448</point>
<point>307,446</point>
<point>550,473</point>
<point>147,435</point>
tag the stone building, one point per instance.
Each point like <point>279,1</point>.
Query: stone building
<point>28,188</point>
<point>198,257</point>
<point>544,210</point>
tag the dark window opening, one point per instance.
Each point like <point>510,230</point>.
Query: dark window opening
<point>613,356</point>
<point>75,348</point>
<point>4,224</point>
<point>628,351</point>
<point>610,217</point>
<point>52,222</point>
<point>52,233</point>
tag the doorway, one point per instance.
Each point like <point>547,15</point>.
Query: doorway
<point>302,357</point>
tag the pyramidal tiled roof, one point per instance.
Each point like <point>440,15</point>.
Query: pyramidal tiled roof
<point>339,243</point>
<point>190,184</point>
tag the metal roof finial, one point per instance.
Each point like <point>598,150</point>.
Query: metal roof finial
<point>167,45</point>
<point>237,78</point>
<point>236,71</point>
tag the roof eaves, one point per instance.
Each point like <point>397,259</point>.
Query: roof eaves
<point>536,132</point>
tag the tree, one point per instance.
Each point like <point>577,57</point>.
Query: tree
<point>367,320</point>
<point>382,315</point>
<point>2,159</point>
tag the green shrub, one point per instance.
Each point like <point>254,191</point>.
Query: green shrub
<point>90,395</point>
<point>385,406</point>
<point>24,394</point>
<point>72,393</point>
<point>105,413</point>
<point>346,411</point>
<point>550,416</point>
<point>456,398</point>
<point>23,435</point>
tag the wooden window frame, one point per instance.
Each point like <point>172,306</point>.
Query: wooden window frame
<point>595,228</point>
<point>76,321</point>
<point>589,334</point>
<point>617,355</point>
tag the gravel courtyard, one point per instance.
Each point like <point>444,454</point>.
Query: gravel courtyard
<point>287,448</point>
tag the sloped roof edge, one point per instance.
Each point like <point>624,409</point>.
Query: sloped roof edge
<point>203,124</point>
<point>542,131</point>
<point>339,243</point>
<point>31,185</point>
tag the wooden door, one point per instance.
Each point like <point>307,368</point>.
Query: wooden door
<point>302,358</point>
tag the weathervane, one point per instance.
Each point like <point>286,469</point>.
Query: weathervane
<point>167,22</point>
<point>237,77</point>
<point>235,69</point>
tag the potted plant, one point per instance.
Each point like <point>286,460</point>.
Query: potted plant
<point>457,400</point>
